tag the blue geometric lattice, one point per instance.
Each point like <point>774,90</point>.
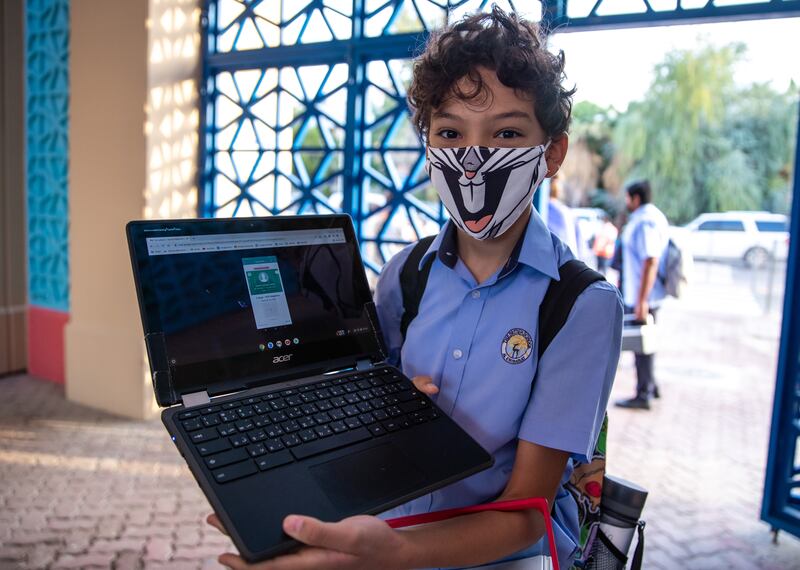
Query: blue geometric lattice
<point>583,14</point>
<point>385,17</point>
<point>274,144</point>
<point>398,204</point>
<point>239,25</point>
<point>288,129</point>
<point>279,140</point>
<point>47,105</point>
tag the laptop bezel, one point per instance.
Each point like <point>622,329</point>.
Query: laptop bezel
<point>162,371</point>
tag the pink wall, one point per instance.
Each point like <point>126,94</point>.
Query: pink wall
<point>46,343</point>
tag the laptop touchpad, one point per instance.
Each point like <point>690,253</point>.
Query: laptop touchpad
<point>359,480</point>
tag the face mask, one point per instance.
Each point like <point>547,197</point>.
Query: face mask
<point>485,189</point>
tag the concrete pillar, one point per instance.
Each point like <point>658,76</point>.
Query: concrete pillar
<point>132,155</point>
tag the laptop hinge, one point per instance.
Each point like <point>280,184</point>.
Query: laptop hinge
<point>364,364</point>
<point>195,399</point>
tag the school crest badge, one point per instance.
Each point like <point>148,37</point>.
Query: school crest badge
<point>517,346</point>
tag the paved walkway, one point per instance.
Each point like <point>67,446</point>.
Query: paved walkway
<point>82,489</point>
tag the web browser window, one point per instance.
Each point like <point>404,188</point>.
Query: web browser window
<point>267,297</point>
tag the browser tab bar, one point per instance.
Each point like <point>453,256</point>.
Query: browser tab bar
<point>175,245</point>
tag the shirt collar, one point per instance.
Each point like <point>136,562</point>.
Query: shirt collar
<point>444,246</point>
<point>534,248</point>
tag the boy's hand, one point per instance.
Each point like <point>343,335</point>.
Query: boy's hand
<point>425,385</point>
<point>354,543</point>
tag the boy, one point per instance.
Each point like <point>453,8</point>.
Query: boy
<point>487,98</point>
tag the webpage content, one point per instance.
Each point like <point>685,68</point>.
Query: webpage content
<point>267,295</point>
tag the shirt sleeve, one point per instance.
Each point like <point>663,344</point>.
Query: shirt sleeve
<point>389,304</point>
<point>650,240</point>
<point>574,377</point>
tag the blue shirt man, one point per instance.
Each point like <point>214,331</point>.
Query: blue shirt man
<point>644,241</point>
<point>462,338</point>
<point>562,224</point>
<point>645,237</point>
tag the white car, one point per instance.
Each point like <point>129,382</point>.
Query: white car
<point>754,237</point>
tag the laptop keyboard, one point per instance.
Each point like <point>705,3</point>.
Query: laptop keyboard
<point>243,437</point>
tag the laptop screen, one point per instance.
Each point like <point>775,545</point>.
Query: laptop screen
<point>252,298</point>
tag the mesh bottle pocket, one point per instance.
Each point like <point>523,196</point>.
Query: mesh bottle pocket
<point>604,555</point>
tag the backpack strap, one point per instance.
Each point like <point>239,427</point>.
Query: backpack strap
<point>561,295</point>
<point>413,281</point>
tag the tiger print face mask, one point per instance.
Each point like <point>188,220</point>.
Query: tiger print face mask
<point>484,189</point>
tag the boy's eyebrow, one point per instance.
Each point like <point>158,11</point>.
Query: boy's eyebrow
<point>445,115</point>
<point>497,117</point>
<point>512,115</point>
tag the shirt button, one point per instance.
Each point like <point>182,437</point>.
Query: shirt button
<point>457,354</point>
<point>476,294</point>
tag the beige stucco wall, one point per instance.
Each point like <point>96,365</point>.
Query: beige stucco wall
<point>118,124</point>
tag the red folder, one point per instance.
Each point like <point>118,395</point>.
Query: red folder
<point>537,503</point>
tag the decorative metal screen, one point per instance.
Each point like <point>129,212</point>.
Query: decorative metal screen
<point>305,112</point>
<point>47,126</point>
<point>305,103</point>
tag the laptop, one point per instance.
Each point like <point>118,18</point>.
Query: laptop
<point>267,356</point>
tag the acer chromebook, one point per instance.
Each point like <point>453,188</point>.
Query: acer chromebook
<point>266,353</point>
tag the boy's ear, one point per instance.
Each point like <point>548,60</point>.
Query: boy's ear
<point>556,153</point>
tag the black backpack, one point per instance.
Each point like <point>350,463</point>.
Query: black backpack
<point>575,277</point>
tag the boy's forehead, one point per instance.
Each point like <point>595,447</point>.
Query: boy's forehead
<point>493,95</point>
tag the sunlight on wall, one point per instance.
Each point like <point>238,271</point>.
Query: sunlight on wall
<point>172,108</point>
<point>172,111</point>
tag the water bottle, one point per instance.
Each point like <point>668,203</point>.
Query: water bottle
<point>621,508</point>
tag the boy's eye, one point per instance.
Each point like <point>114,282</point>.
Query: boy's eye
<point>508,134</point>
<point>447,134</point>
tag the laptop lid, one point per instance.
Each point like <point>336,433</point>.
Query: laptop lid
<point>228,304</point>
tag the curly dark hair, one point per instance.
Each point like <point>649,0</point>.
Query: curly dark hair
<point>512,47</point>
<point>642,189</point>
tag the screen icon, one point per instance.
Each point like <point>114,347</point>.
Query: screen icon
<point>279,344</point>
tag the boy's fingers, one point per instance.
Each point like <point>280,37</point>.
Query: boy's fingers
<point>214,521</point>
<point>313,532</point>
<point>425,384</point>
<point>308,558</point>
<point>232,561</point>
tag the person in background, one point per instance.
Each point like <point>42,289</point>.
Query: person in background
<point>644,241</point>
<point>560,220</point>
<point>603,244</point>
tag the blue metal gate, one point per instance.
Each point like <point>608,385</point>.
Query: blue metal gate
<point>781,506</point>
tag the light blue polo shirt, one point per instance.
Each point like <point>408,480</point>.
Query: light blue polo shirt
<point>645,235</point>
<point>463,337</point>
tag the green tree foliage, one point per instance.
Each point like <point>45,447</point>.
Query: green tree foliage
<point>705,144</point>
<point>762,123</point>
<point>594,125</point>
